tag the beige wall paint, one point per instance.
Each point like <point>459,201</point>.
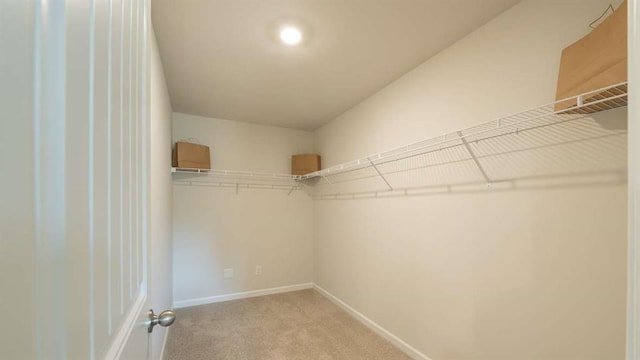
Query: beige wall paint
<point>215,228</point>
<point>161,194</point>
<point>530,274</point>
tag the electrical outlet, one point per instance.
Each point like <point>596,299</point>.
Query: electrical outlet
<point>258,269</point>
<point>228,273</point>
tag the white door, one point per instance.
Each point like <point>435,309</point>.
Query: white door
<point>74,142</point>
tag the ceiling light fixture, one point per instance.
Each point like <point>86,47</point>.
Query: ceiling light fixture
<point>290,35</point>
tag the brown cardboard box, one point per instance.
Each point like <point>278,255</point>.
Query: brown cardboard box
<point>303,164</point>
<point>191,156</point>
<point>597,60</point>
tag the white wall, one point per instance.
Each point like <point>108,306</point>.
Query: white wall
<point>529,274</point>
<point>161,195</point>
<point>215,228</point>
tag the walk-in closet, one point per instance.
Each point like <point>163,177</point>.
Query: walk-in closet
<point>320,179</point>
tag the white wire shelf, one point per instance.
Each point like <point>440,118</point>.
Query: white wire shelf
<point>236,179</point>
<point>567,137</point>
<point>570,138</point>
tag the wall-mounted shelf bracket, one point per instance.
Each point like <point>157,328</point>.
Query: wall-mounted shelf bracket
<point>327,180</point>
<point>475,158</point>
<point>380,174</point>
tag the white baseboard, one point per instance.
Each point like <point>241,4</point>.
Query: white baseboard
<point>406,348</point>
<point>240,295</point>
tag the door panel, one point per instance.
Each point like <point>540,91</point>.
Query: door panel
<point>80,189</point>
<point>115,119</point>
<point>17,209</point>
<point>74,99</point>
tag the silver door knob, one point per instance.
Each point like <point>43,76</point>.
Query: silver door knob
<point>165,318</point>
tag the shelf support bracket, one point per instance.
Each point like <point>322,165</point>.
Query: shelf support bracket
<point>380,174</point>
<point>475,159</point>
<point>290,191</point>
<point>237,188</point>
<point>327,180</point>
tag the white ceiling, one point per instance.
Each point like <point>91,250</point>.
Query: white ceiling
<point>220,59</point>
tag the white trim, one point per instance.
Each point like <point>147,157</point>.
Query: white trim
<point>240,295</point>
<point>120,339</point>
<point>633,264</point>
<point>50,129</point>
<point>164,355</point>
<point>384,333</point>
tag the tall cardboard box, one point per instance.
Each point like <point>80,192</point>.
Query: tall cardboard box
<point>303,164</point>
<point>191,156</point>
<point>596,61</point>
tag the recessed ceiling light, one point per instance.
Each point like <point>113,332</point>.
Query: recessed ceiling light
<point>290,35</point>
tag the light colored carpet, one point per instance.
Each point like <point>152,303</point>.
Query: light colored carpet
<point>296,325</point>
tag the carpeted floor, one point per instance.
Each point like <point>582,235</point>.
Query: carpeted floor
<point>297,325</point>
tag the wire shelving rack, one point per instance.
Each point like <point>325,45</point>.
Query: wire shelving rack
<point>568,138</point>
<point>564,138</point>
<point>236,179</point>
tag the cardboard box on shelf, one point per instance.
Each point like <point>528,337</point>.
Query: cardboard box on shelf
<point>191,156</point>
<point>303,164</point>
<point>596,61</point>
